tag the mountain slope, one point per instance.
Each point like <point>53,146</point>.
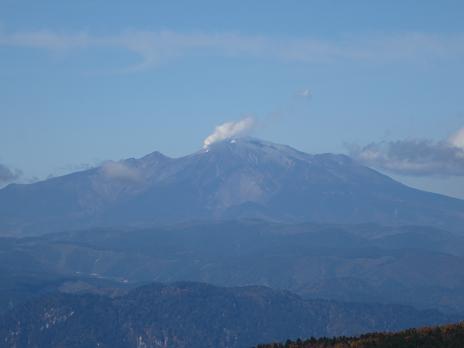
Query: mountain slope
<point>239,178</point>
<point>364,263</point>
<point>194,315</point>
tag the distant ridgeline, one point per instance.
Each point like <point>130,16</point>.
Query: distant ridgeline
<point>448,336</point>
<point>195,315</point>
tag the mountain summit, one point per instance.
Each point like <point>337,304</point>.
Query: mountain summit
<point>234,178</point>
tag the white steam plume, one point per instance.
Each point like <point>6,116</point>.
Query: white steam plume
<point>230,129</point>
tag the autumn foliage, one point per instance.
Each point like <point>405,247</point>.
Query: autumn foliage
<point>448,336</point>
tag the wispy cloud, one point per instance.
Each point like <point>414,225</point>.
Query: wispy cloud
<point>304,93</point>
<point>415,157</point>
<point>457,139</point>
<point>119,171</point>
<point>155,47</point>
<point>47,40</point>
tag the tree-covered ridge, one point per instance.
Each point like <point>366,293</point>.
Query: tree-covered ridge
<point>346,263</point>
<point>447,336</point>
<point>194,315</point>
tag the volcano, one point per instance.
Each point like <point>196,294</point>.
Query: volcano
<point>239,178</point>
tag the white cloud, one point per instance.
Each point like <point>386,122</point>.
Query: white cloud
<point>120,171</point>
<point>457,139</point>
<point>304,93</point>
<point>415,157</point>
<point>230,129</point>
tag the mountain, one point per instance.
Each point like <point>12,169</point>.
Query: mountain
<point>447,336</point>
<point>411,265</point>
<point>235,178</point>
<point>194,315</point>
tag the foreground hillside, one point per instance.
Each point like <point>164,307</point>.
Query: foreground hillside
<point>194,315</point>
<point>408,265</point>
<point>449,336</point>
<point>239,178</point>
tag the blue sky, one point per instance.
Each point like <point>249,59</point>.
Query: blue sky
<point>86,81</point>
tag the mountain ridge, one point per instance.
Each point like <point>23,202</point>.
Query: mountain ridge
<point>190,314</point>
<point>234,178</point>
<point>413,265</point>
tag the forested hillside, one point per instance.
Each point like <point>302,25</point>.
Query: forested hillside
<point>411,265</point>
<point>448,336</point>
<point>194,315</point>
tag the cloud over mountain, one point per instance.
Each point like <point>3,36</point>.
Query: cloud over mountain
<point>457,139</point>
<point>8,175</point>
<point>119,170</point>
<point>415,157</point>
